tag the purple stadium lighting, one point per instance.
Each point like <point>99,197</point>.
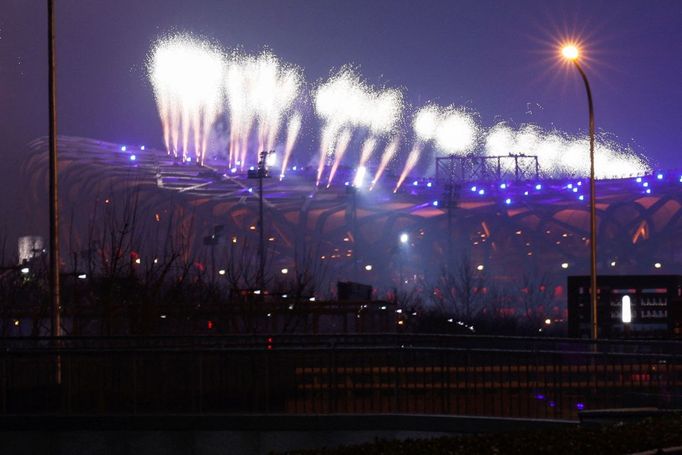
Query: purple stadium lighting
<point>659,176</point>
<point>538,186</point>
<point>503,186</point>
<point>507,201</point>
<point>142,148</point>
<point>124,148</point>
<point>473,189</point>
<point>481,192</point>
<point>435,203</point>
<point>581,197</point>
<point>133,157</point>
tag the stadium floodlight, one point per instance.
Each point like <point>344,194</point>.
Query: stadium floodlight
<point>404,238</point>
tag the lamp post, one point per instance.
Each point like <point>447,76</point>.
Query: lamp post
<point>260,174</point>
<point>571,53</point>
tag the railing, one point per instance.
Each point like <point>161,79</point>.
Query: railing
<point>491,376</point>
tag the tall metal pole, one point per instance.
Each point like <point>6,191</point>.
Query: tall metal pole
<point>262,171</point>
<point>593,213</point>
<point>53,176</point>
<point>261,243</point>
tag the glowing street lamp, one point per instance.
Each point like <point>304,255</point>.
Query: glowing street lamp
<point>571,53</point>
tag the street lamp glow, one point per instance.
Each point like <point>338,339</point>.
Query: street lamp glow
<point>404,238</point>
<point>570,52</point>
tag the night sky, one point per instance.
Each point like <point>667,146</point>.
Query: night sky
<point>495,57</point>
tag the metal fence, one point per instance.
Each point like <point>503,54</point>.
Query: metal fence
<point>487,376</point>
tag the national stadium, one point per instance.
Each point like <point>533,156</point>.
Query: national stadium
<point>499,229</point>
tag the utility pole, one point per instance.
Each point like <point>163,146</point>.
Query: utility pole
<point>53,183</point>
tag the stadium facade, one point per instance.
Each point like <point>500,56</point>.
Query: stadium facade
<point>500,233</point>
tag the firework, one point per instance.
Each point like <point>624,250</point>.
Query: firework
<point>260,91</point>
<point>426,121</point>
<point>456,133</point>
<point>186,74</point>
<point>453,130</point>
<point>560,154</point>
<point>345,103</point>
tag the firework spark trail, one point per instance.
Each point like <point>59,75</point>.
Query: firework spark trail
<point>260,91</point>
<point>187,78</point>
<point>411,162</point>
<point>367,148</point>
<point>341,147</point>
<point>389,153</point>
<point>239,105</point>
<point>327,142</point>
<point>292,134</point>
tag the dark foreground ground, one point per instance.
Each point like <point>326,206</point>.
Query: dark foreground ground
<point>648,435</point>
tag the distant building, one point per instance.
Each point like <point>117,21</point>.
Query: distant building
<point>655,306</point>
<point>29,247</point>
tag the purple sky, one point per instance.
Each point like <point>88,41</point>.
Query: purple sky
<point>495,57</point>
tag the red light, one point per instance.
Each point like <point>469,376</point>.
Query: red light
<point>209,324</point>
<point>269,339</point>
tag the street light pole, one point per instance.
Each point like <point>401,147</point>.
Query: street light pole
<point>260,174</point>
<point>571,53</point>
<point>53,176</point>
